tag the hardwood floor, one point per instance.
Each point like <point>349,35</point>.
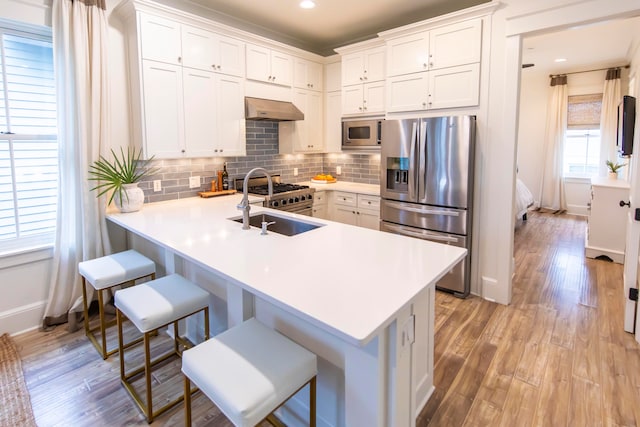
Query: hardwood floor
<point>557,356</point>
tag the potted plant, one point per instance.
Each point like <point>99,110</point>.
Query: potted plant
<point>121,176</point>
<point>614,168</point>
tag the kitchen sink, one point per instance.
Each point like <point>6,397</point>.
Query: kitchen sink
<point>282,225</point>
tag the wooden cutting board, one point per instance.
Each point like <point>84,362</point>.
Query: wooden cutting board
<point>207,194</point>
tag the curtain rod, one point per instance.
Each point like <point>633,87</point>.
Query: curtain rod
<point>588,71</point>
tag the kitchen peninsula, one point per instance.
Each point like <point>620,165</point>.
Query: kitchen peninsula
<point>362,300</point>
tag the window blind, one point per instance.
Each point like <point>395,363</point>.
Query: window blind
<point>584,111</point>
<point>28,140</point>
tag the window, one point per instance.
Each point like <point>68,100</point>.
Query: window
<point>582,137</point>
<point>28,140</point>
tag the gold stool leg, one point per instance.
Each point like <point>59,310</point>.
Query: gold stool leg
<point>147,376</point>
<point>187,402</point>
<point>120,344</point>
<point>206,323</point>
<point>312,402</point>
<point>85,306</point>
<point>102,327</point>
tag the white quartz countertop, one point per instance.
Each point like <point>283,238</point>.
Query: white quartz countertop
<point>351,187</point>
<point>347,280</point>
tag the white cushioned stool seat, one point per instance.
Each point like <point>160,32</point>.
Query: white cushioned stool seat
<point>111,270</point>
<point>248,371</point>
<point>159,302</point>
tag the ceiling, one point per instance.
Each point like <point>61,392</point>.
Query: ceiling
<point>332,23</point>
<point>600,45</point>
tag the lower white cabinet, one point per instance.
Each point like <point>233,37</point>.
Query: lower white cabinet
<point>607,223</point>
<point>320,204</point>
<point>362,210</point>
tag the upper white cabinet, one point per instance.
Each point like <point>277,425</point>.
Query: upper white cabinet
<point>184,104</point>
<point>448,46</point>
<point>164,40</point>
<point>307,74</point>
<point>367,98</point>
<point>269,66</point>
<point>303,136</point>
<point>362,67</point>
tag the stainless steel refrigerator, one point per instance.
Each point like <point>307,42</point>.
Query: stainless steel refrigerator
<point>427,185</point>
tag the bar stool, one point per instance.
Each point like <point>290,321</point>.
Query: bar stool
<point>151,306</point>
<point>103,274</point>
<point>249,371</point>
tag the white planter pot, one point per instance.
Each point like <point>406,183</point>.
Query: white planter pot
<point>613,175</point>
<point>133,198</point>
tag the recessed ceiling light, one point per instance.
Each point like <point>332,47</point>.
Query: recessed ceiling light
<point>307,4</point>
<point>560,60</point>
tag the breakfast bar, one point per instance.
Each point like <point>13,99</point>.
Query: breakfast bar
<point>361,300</point>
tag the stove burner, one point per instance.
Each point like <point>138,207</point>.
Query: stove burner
<point>263,190</point>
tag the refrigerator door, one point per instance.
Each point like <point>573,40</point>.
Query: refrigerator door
<point>445,174</point>
<point>457,279</point>
<point>398,161</point>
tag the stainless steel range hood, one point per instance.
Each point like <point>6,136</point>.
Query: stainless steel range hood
<point>271,110</point>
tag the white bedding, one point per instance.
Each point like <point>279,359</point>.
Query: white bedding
<point>524,199</point>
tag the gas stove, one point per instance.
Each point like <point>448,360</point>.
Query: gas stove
<point>286,197</point>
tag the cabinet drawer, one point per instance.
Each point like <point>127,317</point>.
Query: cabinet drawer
<point>345,199</point>
<point>319,198</point>
<point>368,202</point>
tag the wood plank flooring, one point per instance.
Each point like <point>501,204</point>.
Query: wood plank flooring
<point>557,356</point>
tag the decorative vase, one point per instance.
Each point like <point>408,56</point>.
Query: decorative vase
<point>133,198</point>
<point>613,175</point>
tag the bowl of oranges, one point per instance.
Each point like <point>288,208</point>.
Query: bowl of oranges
<point>322,178</point>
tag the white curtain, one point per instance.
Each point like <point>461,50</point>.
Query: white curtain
<point>611,96</point>
<point>80,63</point>
<point>552,192</point>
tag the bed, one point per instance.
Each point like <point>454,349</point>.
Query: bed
<point>524,200</point>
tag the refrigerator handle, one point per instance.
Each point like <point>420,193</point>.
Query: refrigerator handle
<point>422,234</point>
<point>413,190</point>
<point>421,210</point>
<point>422,153</point>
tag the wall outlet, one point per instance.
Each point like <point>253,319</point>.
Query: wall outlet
<point>194,182</point>
<point>338,170</point>
<point>295,171</point>
<point>157,185</point>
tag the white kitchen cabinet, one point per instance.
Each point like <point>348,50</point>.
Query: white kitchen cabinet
<point>165,40</point>
<point>303,136</point>
<point>307,74</point>
<point>446,88</point>
<point>362,210</point>
<point>230,122</point>
<point>365,66</point>
<point>269,66</point>
<point>199,88</point>
<point>320,204</point>
<point>333,77</point>
<point>441,47</point>
<point>333,122</point>
<point>162,126</point>
<point>367,98</point>
<point>607,222</point>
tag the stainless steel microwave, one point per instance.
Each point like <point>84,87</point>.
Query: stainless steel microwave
<point>361,134</point>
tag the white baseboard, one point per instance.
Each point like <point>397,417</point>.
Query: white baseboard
<point>22,319</point>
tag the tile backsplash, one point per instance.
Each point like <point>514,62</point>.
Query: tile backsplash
<point>262,151</point>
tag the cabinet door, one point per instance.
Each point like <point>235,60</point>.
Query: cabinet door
<point>333,77</point>
<point>333,122</point>
<point>409,54</point>
<point>407,93</point>
<point>258,63</point>
<point>307,74</point>
<point>352,99</point>
<point>368,219</point>
<point>163,118</point>
<point>373,101</point>
<point>345,215</point>
<point>231,136</point>
<point>198,48</point>
<point>307,133</point>
<point>320,211</point>
<point>230,56</point>
<point>454,87</point>
<point>160,39</point>
<point>352,69</point>
<point>456,44</point>
<point>199,112</point>
<point>281,68</point>
<point>374,61</point>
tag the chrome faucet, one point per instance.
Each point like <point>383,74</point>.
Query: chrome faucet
<point>244,204</point>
